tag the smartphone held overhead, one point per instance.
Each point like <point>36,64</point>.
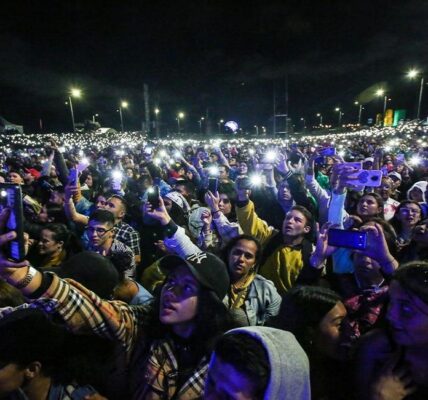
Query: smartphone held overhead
<point>355,240</point>
<point>11,198</point>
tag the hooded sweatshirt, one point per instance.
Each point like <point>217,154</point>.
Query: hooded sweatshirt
<point>289,365</point>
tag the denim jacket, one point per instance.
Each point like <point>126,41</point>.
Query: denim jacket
<point>262,301</point>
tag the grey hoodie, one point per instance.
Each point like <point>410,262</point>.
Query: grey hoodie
<point>289,377</point>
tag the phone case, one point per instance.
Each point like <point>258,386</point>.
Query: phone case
<point>350,239</point>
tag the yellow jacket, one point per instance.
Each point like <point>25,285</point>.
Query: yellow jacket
<point>283,265</point>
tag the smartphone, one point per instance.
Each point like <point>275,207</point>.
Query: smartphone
<point>72,177</point>
<point>11,197</point>
<point>355,165</point>
<point>243,183</point>
<point>153,196</point>
<point>213,185</point>
<point>328,152</point>
<point>369,178</point>
<point>350,239</point>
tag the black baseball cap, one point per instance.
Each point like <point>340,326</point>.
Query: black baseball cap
<point>209,270</point>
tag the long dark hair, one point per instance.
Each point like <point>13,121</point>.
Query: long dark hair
<point>61,233</point>
<point>302,310</point>
<point>211,321</point>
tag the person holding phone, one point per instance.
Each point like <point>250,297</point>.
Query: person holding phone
<point>392,362</point>
<point>252,298</point>
<point>163,348</point>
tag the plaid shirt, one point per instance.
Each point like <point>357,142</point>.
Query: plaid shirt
<point>154,375</point>
<point>128,235</point>
<point>120,251</point>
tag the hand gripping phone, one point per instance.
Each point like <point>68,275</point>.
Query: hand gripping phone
<point>153,196</point>
<point>11,197</point>
<point>213,185</point>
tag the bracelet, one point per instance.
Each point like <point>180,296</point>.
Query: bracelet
<point>31,273</point>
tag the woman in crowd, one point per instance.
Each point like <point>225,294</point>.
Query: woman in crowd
<point>393,363</point>
<point>56,244</point>
<point>167,344</point>
<point>252,298</point>
<point>317,317</point>
<point>407,217</point>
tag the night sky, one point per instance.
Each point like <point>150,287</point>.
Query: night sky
<point>226,57</point>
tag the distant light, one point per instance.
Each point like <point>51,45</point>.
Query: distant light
<point>256,180</point>
<point>180,115</point>
<point>157,111</point>
<point>232,125</point>
<point>116,175</point>
<point>76,92</point>
<point>157,161</point>
<point>3,193</point>
<point>252,151</point>
<point>124,104</point>
<point>415,160</point>
<point>380,92</point>
<point>413,73</point>
<point>163,153</point>
<point>337,109</point>
<point>213,171</point>
<point>271,156</point>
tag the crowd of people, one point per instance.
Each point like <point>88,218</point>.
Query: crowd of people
<point>187,269</point>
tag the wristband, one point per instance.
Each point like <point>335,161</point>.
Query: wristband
<point>31,273</point>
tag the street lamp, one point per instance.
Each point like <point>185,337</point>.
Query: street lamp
<point>320,117</point>
<point>380,93</point>
<point>360,110</point>
<point>339,123</point>
<point>304,123</point>
<point>200,124</point>
<point>180,115</point>
<point>94,116</point>
<point>257,130</point>
<point>123,104</point>
<point>157,111</point>
<point>77,93</point>
<point>412,74</point>
<point>219,126</point>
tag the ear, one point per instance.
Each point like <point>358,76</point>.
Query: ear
<point>33,370</point>
<point>61,243</point>
<point>307,229</point>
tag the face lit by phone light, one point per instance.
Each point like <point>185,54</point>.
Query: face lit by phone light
<point>225,205</point>
<point>295,224</point>
<point>15,178</point>
<point>284,193</point>
<point>408,317</point>
<point>242,168</point>
<point>179,300</point>
<point>368,206</point>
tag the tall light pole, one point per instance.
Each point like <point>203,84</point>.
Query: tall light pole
<point>412,74</point>
<point>257,130</point>
<point>123,104</point>
<point>180,115</point>
<point>77,93</point>
<point>200,124</point>
<point>157,111</point>
<point>94,116</point>
<point>339,122</point>
<point>360,111</point>
<point>304,123</point>
<point>219,123</point>
<point>320,117</point>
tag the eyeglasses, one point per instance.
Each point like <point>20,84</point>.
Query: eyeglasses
<point>409,211</point>
<point>99,231</point>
